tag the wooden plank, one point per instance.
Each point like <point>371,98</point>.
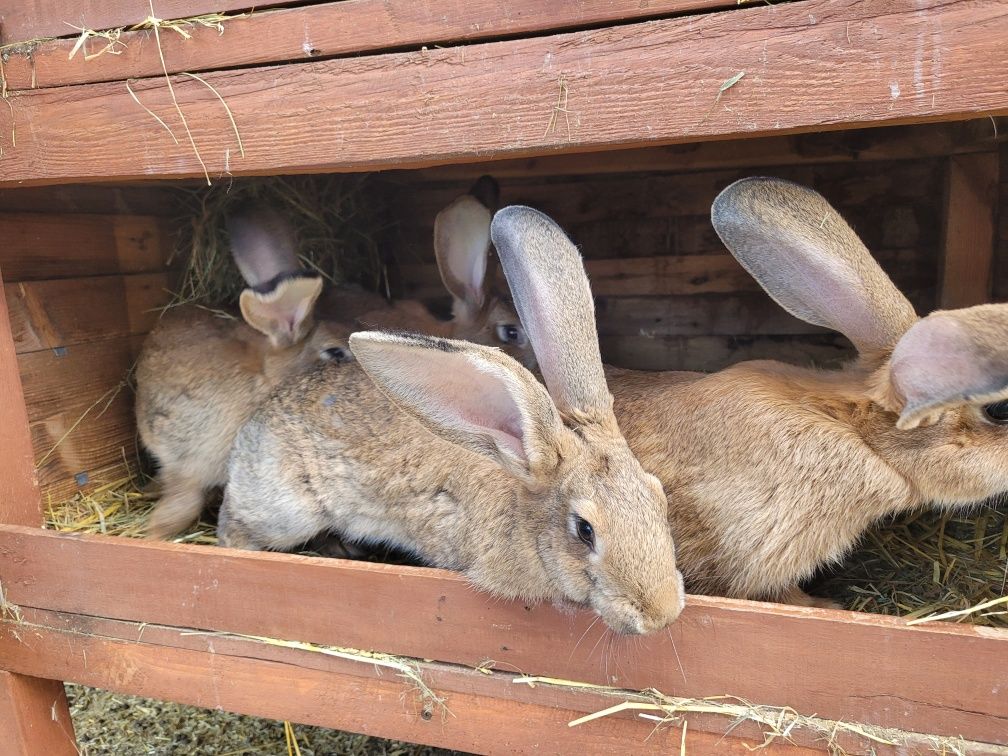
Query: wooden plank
<point>39,246</point>
<point>629,86</point>
<point>482,712</point>
<point>34,718</point>
<point>921,141</point>
<point>397,700</point>
<point>739,314</point>
<point>628,276</point>
<point>35,19</point>
<point>819,660</point>
<point>81,412</point>
<point>136,199</point>
<point>19,492</point>
<point>71,311</point>
<point>709,353</point>
<point>324,30</point>
<point>971,203</point>
<point>662,196</point>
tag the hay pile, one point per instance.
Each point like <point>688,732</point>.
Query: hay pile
<point>928,563</point>
<point>338,220</point>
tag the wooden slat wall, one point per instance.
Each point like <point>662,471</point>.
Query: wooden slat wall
<point>82,288</point>
<point>626,87</point>
<point>668,294</point>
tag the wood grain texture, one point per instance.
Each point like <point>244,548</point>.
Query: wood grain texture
<point>709,353</point>
<point>325,30</point>
<point>39,246</point>
<point>34,19</point>
<point>81,413</point>
<point>968,244</point>
<point>483,708</point>
<point>72,311</point>
<point>818,660</point>
<point>34,717</point>
<point>628,276</point>
<point>125,199</point>
<point>19,493</point>
<point>915,142</point>
<point>629,86</point>
<point>485,713</point>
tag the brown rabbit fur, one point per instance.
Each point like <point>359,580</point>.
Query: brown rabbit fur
<point>200,376</point>
<point>454,451</point>
<point>482,311</point>
<point>772,470</point>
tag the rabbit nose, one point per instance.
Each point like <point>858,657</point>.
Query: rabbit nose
<point>665,605</point>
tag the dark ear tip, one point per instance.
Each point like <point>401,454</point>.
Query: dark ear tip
<point>487,191</point>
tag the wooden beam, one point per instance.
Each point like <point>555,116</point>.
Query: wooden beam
<point>36,19</point>
<point>34,718</point>
<point>80,409</point>
<point>624,87</point>
<point>481,711</point>
<point>41,246</point>
<point>72,311</point>
<point>818,660</point>
<point>968,244</point>
<point>916,142</point>
<point>320,31</point>
<point>626,276</point>
<point>20,503</point>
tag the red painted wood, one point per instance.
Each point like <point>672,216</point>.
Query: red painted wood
<point>641,84</point>
<point>840,665</point>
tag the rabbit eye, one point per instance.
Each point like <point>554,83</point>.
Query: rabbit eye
<point>335,354</point>
<point>508,334</point>
<point>997,412</point>
<point>585,532</point>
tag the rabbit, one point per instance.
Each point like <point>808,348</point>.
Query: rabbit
<point>772,470</point>
<point>455,452</point>
<point>482,312</point>
<point>200,376</point>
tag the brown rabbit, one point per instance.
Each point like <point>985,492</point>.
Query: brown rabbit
<point>772,470</point>
<point>200,376</point>
<point>481,311</point>
<point>530,491</point>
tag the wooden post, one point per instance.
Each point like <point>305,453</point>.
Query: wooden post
<point>967,261</point>
<point>34,717</point>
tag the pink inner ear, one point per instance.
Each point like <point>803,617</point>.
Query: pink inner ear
<point>457,394</point>
<point>935,363</point>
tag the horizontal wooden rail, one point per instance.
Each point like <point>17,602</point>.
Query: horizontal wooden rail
<point>484,711</point>
<point>649,83</point>
<point>35,19</point>
<point>840,665</point>
<point>325,30</point>
<point>818,148</point>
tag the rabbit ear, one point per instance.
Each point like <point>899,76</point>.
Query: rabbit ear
<point>951,357</point>
<point>811,262</point>
<point>462,247</point>
<point>284,314</point>
<point>554,303</point>
<point>470,395</point>
<point>262,244</point>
